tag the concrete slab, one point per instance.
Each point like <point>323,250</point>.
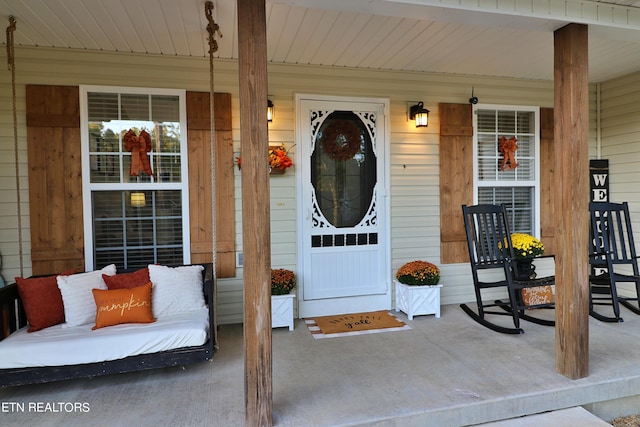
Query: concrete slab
<point>446,372</point>
<point>571,417</point>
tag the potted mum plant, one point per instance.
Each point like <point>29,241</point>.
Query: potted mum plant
<point>525,249</point>
<point>282,283</point>
<point>418,289</point>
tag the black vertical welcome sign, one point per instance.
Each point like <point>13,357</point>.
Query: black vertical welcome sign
<point>599,179</point>
<point>599,189</point>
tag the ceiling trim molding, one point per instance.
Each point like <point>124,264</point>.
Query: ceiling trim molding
<point>556,13</point>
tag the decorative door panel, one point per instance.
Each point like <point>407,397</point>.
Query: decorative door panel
<point>343,208</point>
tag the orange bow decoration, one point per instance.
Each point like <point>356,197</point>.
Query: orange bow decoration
<point>508,149</point>
<point>139,146</point>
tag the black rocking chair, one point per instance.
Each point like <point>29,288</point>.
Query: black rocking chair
<point>490,248</point>
<point>612,259</point>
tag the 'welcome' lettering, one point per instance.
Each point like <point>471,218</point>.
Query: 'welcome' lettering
<point>600,179</point>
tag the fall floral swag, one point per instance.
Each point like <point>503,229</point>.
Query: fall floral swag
<point>139,146</point>
<point>279,159</point>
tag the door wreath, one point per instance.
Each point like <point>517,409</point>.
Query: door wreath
<point>341,139</point>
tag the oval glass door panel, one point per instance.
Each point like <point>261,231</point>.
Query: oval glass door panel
<point>343,170</point>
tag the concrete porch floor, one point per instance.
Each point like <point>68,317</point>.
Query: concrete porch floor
<point>443,372</point>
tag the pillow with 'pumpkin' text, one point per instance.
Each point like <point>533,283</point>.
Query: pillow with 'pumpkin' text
<point>114,307</point>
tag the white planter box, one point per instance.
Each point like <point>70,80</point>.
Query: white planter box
<point>417,300</point>
<point>282,311</point>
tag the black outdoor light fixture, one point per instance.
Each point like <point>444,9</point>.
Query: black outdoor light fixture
<point>419,114</point>
<point>474,99</point>
<point>269,110</point>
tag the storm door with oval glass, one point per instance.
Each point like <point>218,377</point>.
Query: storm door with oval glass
<point>344,262</point>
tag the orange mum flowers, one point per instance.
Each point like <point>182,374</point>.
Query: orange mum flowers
<point>418,273</point>
<point>282,281</point>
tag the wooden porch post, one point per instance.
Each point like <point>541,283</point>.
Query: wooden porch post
<point>571,142</point>
<point>252,60</point>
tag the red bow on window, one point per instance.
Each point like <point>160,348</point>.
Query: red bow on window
<point>139,146</point>
<point>508,149</point>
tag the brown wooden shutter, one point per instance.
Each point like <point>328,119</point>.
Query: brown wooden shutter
<point>547,167</point>
<point>199,136</point>
<point>456,179</point>
<point>55,178</point>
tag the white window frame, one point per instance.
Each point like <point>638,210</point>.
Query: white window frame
<point>88,187</point>
<point>535,183</point>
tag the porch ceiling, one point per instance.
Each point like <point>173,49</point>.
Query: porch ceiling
<point>512,38</point>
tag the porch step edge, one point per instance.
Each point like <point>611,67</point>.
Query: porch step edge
<point>570,417</point>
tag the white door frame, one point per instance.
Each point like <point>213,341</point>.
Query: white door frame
<point>343,305</point>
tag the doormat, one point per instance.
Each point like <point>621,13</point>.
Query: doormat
<point>344,325</point>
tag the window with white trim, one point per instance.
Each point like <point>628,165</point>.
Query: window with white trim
<point>135,189</point>
<point>519,188</point>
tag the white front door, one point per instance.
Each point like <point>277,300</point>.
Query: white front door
<point>344,257</point>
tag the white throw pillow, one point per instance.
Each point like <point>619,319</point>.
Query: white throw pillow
<point>176,289</point>
<point>79,305</point>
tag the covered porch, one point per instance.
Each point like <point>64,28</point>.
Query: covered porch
<point>443,372</point>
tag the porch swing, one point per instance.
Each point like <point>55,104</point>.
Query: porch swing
<point>13,319</point>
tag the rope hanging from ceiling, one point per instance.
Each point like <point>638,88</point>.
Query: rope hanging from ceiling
<point>12,67</point>
<point>212,30</point>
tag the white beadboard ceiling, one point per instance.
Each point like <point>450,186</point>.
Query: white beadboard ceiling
<point>411,35</point>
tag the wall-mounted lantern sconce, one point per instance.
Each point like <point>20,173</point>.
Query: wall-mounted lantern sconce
<point>269,110</point>
<point>138,200</point>
<point>419,114</point>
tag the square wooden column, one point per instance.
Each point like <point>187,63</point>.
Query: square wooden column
<point>571,148</point>
<point>256,240</point>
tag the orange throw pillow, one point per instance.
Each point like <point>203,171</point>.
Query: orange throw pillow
<point>127,280</point>
<point>42,301</point>
<point>117,306</point>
